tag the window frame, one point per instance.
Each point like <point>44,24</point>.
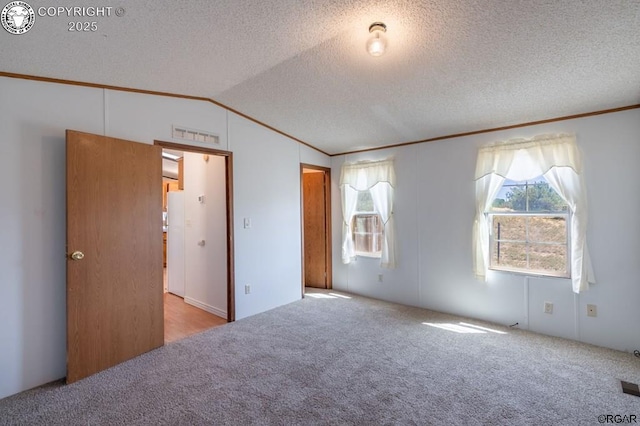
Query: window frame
<point>527,271</point>
<point>565,214</point>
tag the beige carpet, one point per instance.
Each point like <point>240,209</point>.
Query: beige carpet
<point>347,361</point>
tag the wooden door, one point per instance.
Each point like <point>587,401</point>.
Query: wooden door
<point>315,232</point>
<point>114,227</point>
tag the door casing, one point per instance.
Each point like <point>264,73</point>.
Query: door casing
<point>228,156</point>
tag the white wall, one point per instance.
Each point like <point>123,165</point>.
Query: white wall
<point>32,225</point>
<point>434,217</point>
<point>266,183</point>
<point>205,266</point>
<point>32,212</point>
<point>145,118</point>
<point>313,157</point>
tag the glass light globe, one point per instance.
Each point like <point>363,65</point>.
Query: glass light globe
<point>377,42</point>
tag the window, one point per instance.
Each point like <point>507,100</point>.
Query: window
<point>367,227</point>
<point>367,189</point>
<point>529,229</point>
<point>537,233</point>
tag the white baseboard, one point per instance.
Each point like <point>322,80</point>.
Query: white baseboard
<point>215,311</point>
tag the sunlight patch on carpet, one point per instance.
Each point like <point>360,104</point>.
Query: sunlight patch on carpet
<point>342,296</point>
<point>320,296</point>
<point>463,328</point>
<point>490,330</point>
<point>327,296</point>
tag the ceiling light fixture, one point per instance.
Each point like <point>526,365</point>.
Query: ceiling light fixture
<point>377,43</point>
<point>171,157</point>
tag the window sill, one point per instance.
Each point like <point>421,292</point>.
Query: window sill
<point>369,255</point>
<point>531,274</point>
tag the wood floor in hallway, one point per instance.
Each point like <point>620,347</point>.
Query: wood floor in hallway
<point>182,320</point>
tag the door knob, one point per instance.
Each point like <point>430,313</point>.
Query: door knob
<point>77,255</point>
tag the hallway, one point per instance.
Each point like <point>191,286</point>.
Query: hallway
<point>182,320</point>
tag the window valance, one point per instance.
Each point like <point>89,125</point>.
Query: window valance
<point>364,175</point>
<point>522,159</point>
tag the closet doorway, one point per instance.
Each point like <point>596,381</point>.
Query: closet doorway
<point>316,226</point>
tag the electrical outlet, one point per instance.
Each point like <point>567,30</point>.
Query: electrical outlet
<point>548,308</point>
<point>380,278</point>
<point>247,289</point>
<point>592,311</point>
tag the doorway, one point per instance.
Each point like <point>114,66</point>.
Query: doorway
<point>316,226</point>
<point>206,214</point>
<point>114,265</point>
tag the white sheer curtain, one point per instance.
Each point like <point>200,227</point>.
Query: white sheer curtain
<point>570,186</point>
<point>380,179</point>
<point>349,201</point>
<point>382,196</point>
<point>558,159</point>
<point>487,188</point>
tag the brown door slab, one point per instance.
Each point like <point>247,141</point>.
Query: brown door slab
<point>114,227</point>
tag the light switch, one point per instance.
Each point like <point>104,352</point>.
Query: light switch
<point>247,222</point>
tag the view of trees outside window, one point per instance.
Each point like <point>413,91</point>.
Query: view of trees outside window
<point>367,227</point>
<point>529,229</point>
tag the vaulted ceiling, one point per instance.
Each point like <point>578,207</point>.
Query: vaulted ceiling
<point>301,66</point>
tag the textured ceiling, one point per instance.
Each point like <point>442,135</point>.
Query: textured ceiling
<point>301,67</point>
